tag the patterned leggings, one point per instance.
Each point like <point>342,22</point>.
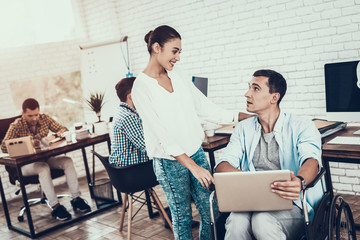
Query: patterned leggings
<point>179,186</point>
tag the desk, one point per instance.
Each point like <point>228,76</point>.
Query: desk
<point>54,150</point>
<point>211,144</point>
<point>339,153</point>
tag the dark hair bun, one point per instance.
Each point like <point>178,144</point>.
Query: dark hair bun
<point>147,36</point>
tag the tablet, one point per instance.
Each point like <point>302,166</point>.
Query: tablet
<point>250,191</point>
<point>20,146</point>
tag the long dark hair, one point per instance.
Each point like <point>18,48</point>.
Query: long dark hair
<point>161,35</point>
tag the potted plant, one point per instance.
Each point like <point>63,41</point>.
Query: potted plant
<point>96,102</point>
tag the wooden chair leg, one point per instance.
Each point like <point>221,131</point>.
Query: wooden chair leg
<point>130,216</point>
<point>161,207</point>
<point>123,209</point>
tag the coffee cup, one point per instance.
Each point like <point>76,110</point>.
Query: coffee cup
<point>67,136</point>
<point>210,132</point>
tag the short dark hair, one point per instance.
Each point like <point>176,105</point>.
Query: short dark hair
<point>123,87</point>
<point>31,104</point>
<point>161,35</point>
<point>276,82</point>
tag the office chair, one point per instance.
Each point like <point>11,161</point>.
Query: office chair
<point>33,179</point>
<point>130,180</point>
<point>4,126</point>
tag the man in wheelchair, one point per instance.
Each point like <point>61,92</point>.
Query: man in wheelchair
<point>271,141</point>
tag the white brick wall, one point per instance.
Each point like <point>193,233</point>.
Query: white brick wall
<point>33,62</point>
<point>225,41</point>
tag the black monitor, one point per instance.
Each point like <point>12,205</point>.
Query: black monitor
<point>342,91</point>
<point>201,83</point>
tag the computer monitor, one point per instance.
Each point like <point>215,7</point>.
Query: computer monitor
<point>342,91</point>
<point>201,83</point>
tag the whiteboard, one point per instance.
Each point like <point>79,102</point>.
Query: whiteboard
<point>102,67</point>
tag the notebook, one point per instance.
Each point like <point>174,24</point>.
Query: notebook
<point>250,191</point>
<point>327,128</point>
<point>20,146</point>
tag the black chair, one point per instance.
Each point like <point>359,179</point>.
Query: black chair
<point>333,217</point>
<point>130,180</point>
<point>4,126</point>
<point>34,179</point>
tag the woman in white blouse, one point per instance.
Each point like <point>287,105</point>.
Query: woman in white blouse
<point>171,108</point>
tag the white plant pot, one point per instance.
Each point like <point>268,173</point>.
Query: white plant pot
<point>100,128</point>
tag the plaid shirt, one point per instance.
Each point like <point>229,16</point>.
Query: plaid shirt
<point>20,128</point>
<point>127,145</point>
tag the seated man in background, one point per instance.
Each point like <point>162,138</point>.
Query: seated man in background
<point>271,141</point>
<point>38,126</point>
<point>127,145</point>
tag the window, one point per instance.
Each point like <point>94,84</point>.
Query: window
<point>28,22</point>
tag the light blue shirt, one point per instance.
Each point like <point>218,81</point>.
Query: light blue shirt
<point>298,140</point>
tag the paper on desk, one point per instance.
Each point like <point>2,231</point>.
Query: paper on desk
<point>2,155</point>
<point>345,140</point>
<point>226,129</point>
<point>357,132</point>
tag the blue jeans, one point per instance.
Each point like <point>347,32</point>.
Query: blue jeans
<point>179,186</point>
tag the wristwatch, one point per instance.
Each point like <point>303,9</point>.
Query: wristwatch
<point>303,182</point>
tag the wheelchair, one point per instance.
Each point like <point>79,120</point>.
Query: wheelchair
<point>333,218</point>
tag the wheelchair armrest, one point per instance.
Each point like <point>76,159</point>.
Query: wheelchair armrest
<point>303,195</point>
<point>211,201</point>
<point>212,214</point>
<point>317,178</point>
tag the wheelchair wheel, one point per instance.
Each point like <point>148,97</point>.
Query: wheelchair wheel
<point>341,222</point>
<point>345,227</point>
<point>319,229</point>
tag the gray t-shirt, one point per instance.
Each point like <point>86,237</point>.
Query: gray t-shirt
<point>266,156</point>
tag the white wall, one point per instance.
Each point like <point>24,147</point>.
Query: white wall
<point>228,40</point>
<point>36,61</point>
<point>225,41</point>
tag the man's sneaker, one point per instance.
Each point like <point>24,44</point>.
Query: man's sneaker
<point>61,213</point>
<point>79,203</point>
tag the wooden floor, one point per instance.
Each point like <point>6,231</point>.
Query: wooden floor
<point>106,224</point>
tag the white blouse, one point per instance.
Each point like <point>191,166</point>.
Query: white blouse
<point>171,121</point>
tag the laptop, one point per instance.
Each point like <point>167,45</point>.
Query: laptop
<point>20,146</point>
<point>250,191</point>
